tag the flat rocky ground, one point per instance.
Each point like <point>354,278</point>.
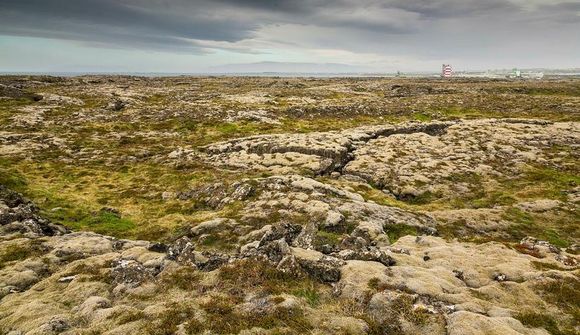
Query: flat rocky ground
<point>183,205</point>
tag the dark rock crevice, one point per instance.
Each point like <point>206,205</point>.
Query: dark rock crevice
<point>433,129</point>
<point>19,215</point>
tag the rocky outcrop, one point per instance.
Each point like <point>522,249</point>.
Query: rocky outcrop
<point>418,164</point>
<point>260,116</point>
<point>20,216</point>
<point>11,92</point>
<point>328,216</point>
<point>458,281</point>
<point>461,287</point>
<point>317,226</point>
<point>318,152</point>
<point>408,160</point>
<point>216,196</point>
<point>16,144</point>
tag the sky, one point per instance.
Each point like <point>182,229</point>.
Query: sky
<point>200,36</point>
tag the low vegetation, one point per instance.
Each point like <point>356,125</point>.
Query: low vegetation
<point>128,158</point>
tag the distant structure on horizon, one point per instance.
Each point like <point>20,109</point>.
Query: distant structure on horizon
<point>446,71</point>
<point>518,74</point>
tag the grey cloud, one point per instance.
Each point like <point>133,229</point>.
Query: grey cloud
<point>566,12</point>
<point>175,25</point>
<point>453,8</point>
<point>123,15</point>
<point>118,22</point>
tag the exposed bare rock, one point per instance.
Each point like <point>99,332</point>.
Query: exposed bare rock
<point>16,93</point>
<point>116,105</point>
<point>31,116</point>
<point>218,195</point>
<point>317,265</point>
<point>261,116</point>
<point>317,152</point>
<point>367,254</point>
<point>59,100</point>
<point>542,205</point>
<point>19,215</point>
<point>17,144</point>
<point>412,165</point>
<point>129,272</point>
<point>453,272</point>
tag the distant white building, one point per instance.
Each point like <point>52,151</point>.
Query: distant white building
<point>446,71</point>
<point>516,73</point>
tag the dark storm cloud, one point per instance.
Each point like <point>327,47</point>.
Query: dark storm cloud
<point>181,24</point>
<point>452,8</point>
<point>426,8</point>
<point>285,6</point>
<point>138,24</point>
<point>565,12</point>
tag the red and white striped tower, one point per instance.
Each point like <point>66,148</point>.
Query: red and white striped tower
<point>446,71</point>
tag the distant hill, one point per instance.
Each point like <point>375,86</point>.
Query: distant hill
<point>289,67</point>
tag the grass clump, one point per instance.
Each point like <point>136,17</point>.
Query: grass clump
<point>564,293</point>
<point>251,274</point>
<point>463,113</point>
<point>494,198</point>
<point>102,222</point>
<point>127,316</point>
<point>10,179</point>
<point>184,278</point>
<point>397,231</point>
<point>14,253</point>
<point>526,224</point>
<point>534,182</point>
<point>310,294</point>
<point>390,318</point>
<point>420,199</point>
<point>516,215</point>
<point>544,182</point>
<point>379,197</point>
<point>91,272</point>
<point>538,320</point>
<point>21,251</point>
<point>543,266</point>
<point>329,238</point>
<point>223,318</point>
<point>423,117</point>
<point>555,238</point>
<point>175,315</point>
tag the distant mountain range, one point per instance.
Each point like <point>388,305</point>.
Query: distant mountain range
<point>290,67</point>
<point>304,69</point>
